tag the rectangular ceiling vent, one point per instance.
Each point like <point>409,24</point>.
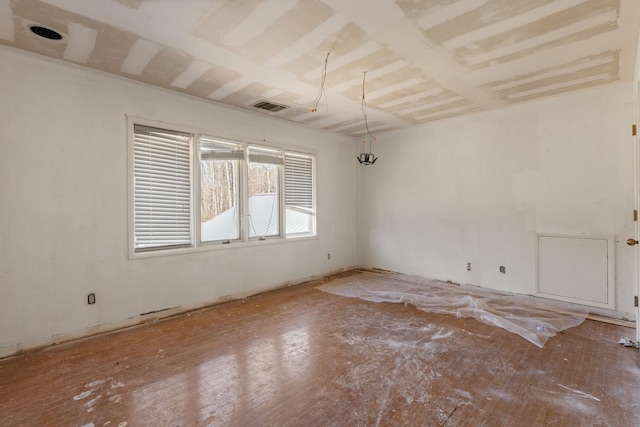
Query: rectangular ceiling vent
<point>272,107</point>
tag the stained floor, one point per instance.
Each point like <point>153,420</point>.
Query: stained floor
<point>299,356</point>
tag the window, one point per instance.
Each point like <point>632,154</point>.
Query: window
<point>161,188</point>
<point>298,184</point>
<point>219,190</point>
<point>264,192</point>
<point>239,193</point>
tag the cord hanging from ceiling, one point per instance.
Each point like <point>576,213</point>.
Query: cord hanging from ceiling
<point>366,158</point>
<point>321,91</point>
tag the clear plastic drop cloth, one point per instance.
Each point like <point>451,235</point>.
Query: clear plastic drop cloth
<point>534,319</point>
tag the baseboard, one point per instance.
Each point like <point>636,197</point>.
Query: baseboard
<point>93,331</point>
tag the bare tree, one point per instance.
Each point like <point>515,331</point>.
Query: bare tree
<point>217,187</point>
<point>218,184</point>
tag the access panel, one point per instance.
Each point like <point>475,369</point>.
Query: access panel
<point>576,269</point>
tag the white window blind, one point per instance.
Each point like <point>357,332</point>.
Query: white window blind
<point>265,155</point>
<point>162,188</point>
<point>299,200</point>
<point>298,180</point>
<point>215,149</point>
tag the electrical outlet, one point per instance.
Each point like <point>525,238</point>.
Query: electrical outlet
<point>468,266</point>
<point>503,269</point>
<point>328,256</point>
<point>91,298</point>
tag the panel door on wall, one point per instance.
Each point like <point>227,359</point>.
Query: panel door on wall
<point>576,269</point>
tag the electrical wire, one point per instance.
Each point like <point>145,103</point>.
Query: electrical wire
<point>364,113</point>
<point>321,91</point>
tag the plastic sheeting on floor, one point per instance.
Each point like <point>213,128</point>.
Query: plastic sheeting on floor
<point>534,319</point>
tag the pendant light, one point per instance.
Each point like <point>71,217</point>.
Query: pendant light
<point>366,158</point>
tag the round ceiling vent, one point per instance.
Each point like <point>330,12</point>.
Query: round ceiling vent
<point>45,33</point>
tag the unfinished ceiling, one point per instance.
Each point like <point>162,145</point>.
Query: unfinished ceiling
<point>424,59</point>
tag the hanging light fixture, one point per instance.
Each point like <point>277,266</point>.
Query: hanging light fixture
<point>366,158</point>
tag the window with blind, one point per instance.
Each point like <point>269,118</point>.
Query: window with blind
<point>299,197</point>
<point>161,188</point>
<point>238,192</point>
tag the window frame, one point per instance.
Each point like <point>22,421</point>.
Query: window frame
<point>240,191</point>
<point>279,189</point>
<point>132,198</point>
<point>197,244</point>
<point>312,211</point>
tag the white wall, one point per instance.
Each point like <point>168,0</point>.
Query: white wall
<point>478,188</point>
<point>472,189</point>
<point>63,212</point>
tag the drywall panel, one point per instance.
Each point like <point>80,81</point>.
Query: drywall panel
<point>480,188</point>
<point>576,269</point>
<point>63,216</point>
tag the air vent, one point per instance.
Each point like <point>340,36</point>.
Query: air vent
<point>45,33</point>
<point>269,106</point>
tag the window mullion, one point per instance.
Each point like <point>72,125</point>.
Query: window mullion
<point>281,196</point>
<point>244,196</point>
<point>195,182</point>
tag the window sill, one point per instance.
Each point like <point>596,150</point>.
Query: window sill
<point>218,246</point>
